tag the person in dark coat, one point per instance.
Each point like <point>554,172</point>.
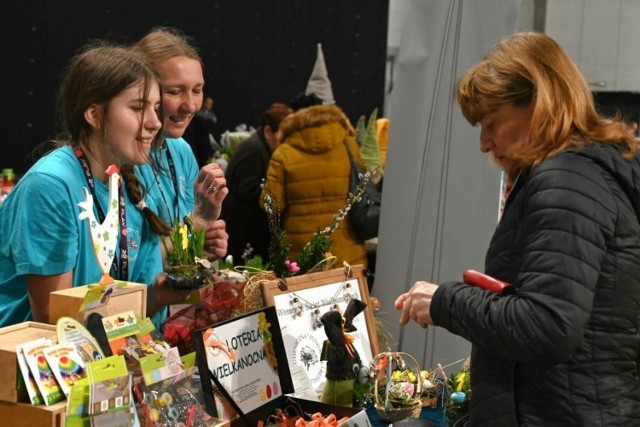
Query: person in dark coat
<point>200,131</point>
<point>241,210</point>
<point>562,349</point>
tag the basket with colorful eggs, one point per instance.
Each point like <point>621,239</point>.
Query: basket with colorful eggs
<point>397,386</point>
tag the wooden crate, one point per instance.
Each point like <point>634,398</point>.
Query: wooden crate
<point>27,415</point>
<point>11,336</point>
<point>132,296</point>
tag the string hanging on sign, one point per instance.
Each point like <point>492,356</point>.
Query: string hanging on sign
<point>344,292</point>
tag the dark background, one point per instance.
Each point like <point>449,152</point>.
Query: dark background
<point>255,52</point>
<point>623,104</point>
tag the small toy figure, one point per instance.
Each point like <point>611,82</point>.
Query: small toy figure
<point>343,360</point>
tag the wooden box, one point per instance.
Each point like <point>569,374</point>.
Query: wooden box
<point>11,336</point>
<point>27,415</point>
<point>132,296</point>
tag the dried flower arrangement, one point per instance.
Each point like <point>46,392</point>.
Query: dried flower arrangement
<point>316,254</point>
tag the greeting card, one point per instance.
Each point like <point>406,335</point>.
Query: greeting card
<point>42,373</point>
<point>66,364</point>
<point>30,383</point>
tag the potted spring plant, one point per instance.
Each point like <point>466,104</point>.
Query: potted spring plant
<point>186,265</point>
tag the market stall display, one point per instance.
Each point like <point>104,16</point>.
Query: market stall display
<point>250,340</point>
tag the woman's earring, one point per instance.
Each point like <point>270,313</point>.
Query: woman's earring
<point>315,319</point>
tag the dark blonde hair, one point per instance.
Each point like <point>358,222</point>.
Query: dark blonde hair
<point>96,75</point>
<point>532,69</point>
<point>162,43</point>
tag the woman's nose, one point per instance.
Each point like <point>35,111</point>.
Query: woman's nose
<point>190,103</point>
<point>486,143</point>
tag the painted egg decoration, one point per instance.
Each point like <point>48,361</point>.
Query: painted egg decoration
<point>402,391</point>
<point>458,397</point>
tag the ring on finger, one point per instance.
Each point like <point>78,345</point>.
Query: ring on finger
<point>212,188</point>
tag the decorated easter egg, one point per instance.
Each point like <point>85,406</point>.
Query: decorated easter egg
<point>268,391</point>
<point>458,397</point>
<point>402,391</point>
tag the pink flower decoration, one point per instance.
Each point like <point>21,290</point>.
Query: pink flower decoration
<point>292,266</point>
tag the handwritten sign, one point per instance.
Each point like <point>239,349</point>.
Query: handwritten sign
<point>240,354</point>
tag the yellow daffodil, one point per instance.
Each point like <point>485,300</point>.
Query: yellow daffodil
<point>460,379</point>
<point>185,237</point>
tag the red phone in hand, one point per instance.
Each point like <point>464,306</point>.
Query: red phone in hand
<point>481,280</point>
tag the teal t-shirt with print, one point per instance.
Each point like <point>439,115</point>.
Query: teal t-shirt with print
<point>40,233</point>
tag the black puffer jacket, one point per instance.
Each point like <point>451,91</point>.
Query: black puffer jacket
<point>242,211</point>
<point>562,350</point>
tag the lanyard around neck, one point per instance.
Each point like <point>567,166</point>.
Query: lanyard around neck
<point>123,269</point>
<point>174,181</point>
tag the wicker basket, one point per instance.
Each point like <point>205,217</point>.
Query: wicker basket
<point>433,391</point>
<point>397,386</point>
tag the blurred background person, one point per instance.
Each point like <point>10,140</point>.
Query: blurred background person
<point>200,132</point>
<point>303,100</point>
<point>245,219</point>
<point>308,176</point>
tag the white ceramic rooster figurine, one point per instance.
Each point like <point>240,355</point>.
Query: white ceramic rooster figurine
<point>105,235</point>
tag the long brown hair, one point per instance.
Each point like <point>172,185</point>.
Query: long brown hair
<point>531,68</point>
<point>97,74</point>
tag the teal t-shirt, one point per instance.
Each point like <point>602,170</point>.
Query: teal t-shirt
<point>40,233</point>
<point>171,190</point>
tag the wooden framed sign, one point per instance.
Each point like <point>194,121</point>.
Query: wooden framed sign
<point>238,364</point>
<point>303,300</point>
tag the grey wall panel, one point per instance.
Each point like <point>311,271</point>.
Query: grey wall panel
<point>441,194</point>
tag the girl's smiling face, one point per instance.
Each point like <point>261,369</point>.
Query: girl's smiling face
<point>131,123</point>
<point>182,84</point>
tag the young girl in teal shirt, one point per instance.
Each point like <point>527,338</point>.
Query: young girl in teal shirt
<point>109,100</point>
